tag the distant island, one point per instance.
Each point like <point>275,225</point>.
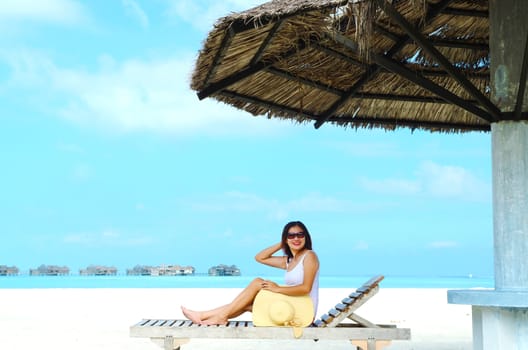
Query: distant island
<point>224,270</point>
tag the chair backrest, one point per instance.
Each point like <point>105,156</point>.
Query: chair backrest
<point>347,306</point>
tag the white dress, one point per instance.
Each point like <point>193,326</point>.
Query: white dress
<point>296,277</point>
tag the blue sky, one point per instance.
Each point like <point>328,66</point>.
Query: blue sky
<point>109,158</point>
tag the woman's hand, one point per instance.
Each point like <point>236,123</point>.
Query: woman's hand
<point>271,286</point>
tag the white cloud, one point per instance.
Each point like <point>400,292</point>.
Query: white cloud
<point>451,181</point>
<point>51,11</point>
<point>135,11</point>
<point>443,244</point>
<point>280,210</point>
<point>391,186</point>
<point>29,68</point>
<point>130,96</point>
<point>207,11</point>
<point>360,245</point>
<point>435,180</point>
<point>82,172</point>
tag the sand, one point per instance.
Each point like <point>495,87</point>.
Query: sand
<point>85,319</point>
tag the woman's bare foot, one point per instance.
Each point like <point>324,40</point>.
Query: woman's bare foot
<point>215,321</point>
<point>194,316</point>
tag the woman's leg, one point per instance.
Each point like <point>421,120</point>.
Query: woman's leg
<point>220,315</point>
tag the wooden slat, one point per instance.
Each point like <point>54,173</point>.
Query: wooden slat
<point>334,313</point>
<point>178,323</point>
<point>326,318</point>
<point>363,289</point>
<point>374,280</point>
<point>355,295</point>
<point>341,307</point>
<point>142,322</point>
<point>151,323</point>
<point>319,323</point>
<point>348,300</point>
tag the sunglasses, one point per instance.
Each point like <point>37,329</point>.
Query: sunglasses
<point>296,235</point>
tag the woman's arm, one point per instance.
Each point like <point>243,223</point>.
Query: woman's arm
<point>266,257</point>
<point>311,265</point>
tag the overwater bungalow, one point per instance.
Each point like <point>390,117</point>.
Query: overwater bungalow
<point>49,270</point>
<point>98,270</point>
<point>224,270</point>
<point>162,270</point>
<point>140,270</point>
<point>8,270</point>
<point>175,270</point>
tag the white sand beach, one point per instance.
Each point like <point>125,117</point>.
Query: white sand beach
<point>83,319</point>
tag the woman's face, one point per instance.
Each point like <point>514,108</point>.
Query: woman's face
<point>296,238</point>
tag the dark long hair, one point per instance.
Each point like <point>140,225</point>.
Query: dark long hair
<point>285,247</point>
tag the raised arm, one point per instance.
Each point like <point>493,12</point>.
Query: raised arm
<point>266,257</point>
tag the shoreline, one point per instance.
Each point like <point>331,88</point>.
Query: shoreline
<point>64,318</point>
<point>211,282</point>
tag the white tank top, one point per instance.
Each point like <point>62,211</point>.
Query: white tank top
<point>296,277</point>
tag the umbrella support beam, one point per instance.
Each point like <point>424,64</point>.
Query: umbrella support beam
<point>500,316</point>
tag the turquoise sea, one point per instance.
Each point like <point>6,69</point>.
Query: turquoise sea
<point>204,281</point>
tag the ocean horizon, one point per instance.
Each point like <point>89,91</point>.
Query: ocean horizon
<point>205,281</point>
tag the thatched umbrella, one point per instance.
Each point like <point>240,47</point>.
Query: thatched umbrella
<point>334,61</point>
<point>419,64</point>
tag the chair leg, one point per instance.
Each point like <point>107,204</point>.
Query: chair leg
<point>168,343</point>
<point>171,343</point>
<point>370,344</point>
<point>360,344</point>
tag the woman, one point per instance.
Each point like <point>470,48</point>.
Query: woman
<point>301,278</point>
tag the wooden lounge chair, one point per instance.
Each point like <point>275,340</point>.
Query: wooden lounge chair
<point>172,333</point>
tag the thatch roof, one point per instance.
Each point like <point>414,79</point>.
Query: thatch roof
<point>354,64</point>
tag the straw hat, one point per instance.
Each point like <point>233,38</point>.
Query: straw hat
<point>276,309</point>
